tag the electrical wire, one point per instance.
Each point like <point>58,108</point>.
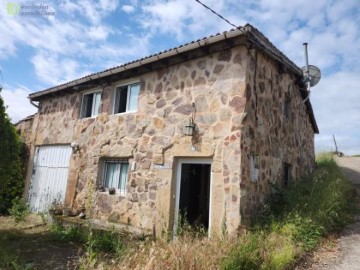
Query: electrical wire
<point>217,14</point>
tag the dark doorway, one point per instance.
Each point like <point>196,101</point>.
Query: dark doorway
<point>195,194</point>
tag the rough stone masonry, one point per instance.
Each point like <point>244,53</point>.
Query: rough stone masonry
<point>237,97</point>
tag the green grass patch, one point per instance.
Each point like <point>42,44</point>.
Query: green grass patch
<point>98,245</point>
<point>296,219</point>
<point>9,260</point>
<point>99,240</point>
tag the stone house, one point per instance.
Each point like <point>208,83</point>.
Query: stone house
<point>202,130</point>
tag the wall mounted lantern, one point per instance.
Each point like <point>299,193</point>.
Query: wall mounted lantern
<point>190,128</point>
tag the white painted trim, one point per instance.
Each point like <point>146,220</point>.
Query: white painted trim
<point>126,83</point>
<point>82,101</point>
<point>181,161</point>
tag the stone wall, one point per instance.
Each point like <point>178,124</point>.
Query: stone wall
<point>154,136</point>
<point>237,97</point>
<point>26,130</point>
<point>272,133</point>
<point>24,127</point>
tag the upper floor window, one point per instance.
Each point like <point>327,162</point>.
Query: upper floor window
<point>126,98</point>
<point>90,104</point>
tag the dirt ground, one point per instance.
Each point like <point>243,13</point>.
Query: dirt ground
<point>341,252</point>
<point>30,245</point>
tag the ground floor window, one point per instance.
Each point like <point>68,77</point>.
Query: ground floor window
<point>116,175</point>
<point>287,173</point>
<point>254,167</point>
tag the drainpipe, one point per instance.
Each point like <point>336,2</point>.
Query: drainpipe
<point>307,75</point>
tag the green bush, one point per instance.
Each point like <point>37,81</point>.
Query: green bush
<point>11,163</point>
<point>108,241</point>
<point>246,255</point>
<point>19,209</point>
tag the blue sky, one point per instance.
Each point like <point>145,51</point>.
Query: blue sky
<point>82,37</point>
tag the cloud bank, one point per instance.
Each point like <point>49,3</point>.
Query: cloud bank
<point>89,36</point>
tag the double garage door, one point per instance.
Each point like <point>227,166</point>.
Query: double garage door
<point>49,176</point>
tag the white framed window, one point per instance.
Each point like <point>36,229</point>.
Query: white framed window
<point>126,98</point>
<point>254,167</point>
<point>90,105</point>
<point>116,175</point>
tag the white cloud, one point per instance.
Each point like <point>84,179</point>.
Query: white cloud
<point>128,9</point>
<point>99,32</point>
<point>69,7</point>
<point>167,17</point>
<point>54,70</point>
<point>18,105</point>
<point>93,11</point>
<point>337,110</point>
<point>109,5</point>
<point>66,49</point>
<point>184,19</point>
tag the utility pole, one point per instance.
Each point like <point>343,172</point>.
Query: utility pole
<point>336,149</point>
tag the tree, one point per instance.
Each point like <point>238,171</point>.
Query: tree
<point>11,165</point>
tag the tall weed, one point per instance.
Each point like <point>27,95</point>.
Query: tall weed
<point>19,209</point>
<point>293,222</point>
<point>296,219</point>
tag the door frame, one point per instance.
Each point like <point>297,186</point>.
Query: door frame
<point>179,164</point>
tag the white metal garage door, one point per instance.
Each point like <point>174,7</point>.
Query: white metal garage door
<point>49,176</point>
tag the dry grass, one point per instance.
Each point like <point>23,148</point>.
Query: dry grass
<point>297,219</point>
<point>186,252</point>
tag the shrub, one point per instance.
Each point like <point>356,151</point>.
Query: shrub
<point>11,164</point>
<point>107,241</point>
<point>19,209</point>
<point>246,255</point>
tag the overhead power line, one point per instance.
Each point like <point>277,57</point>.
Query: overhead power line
<point>217,14</point>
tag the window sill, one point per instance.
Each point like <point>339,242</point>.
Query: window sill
<point>122,113</point>
<point>88,117</point>
<point>115,194</point>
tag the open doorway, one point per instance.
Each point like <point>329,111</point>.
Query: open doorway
<point>193,193</point>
